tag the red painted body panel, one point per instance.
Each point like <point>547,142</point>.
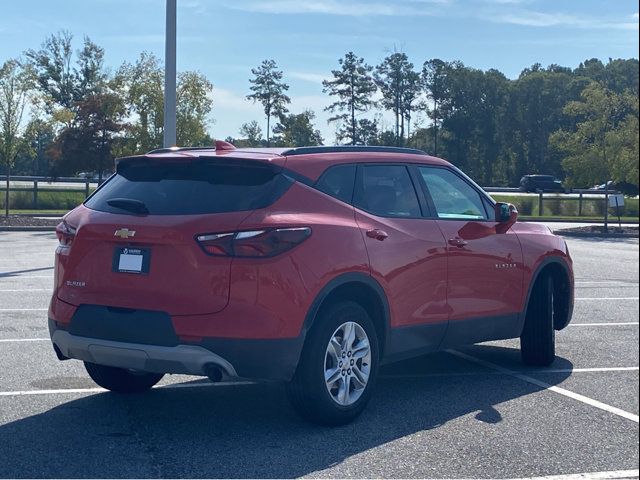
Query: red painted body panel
<point>538,246</point>
<point>425,280</point>
<point>485,275</point>
<point>411,266</point>
<point>270,298</point>
<point>177,263</point>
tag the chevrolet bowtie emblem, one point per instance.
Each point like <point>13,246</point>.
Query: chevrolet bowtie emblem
<point>124,233</point>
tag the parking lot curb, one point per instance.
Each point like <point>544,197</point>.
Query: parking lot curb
<point>595,235</point>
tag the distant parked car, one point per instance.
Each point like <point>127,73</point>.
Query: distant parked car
<point>544,183</point>
<point>94,176</point>
<point>623,187</point>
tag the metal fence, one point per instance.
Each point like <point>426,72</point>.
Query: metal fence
<point>578,195</point>
<point>37,185</point>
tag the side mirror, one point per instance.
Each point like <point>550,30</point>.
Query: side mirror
<point>506,215</point>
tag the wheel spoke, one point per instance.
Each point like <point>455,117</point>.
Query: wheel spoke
<point>343,392</point>
<point>359,377</point>
<point>331,375</point>
<point>334,350</point>
<point>361,349</point>
<point>349,336</point>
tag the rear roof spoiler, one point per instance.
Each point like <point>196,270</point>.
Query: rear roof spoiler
<point>219,145</point>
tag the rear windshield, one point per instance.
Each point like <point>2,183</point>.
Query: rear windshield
<point>191,188</point>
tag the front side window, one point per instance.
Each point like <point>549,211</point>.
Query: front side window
<point>453,198</point>
<point>387,191</point>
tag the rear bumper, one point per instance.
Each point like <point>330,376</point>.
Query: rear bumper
<point>186,359</point>
<point>253,359</point>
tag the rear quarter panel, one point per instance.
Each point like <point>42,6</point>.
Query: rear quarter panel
<point>270,298</point>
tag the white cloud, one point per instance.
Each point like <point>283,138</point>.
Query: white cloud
<point>317,103</point>
<point>308,77</point>
<point>508,2</point>
<point>226,99</point>
<point>531,18</point>
<point>150,39</point>
<point>334,7</point>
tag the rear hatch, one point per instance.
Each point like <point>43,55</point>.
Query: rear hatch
<point>135,240</point>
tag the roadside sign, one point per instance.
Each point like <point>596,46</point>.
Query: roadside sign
<point>616,200</point>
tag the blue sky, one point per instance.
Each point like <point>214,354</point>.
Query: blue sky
<point>224,39</point>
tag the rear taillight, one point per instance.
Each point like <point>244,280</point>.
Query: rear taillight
<point>65,233</point>
<point>253,243</point>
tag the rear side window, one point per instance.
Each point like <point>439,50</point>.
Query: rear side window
<point>338,182</point>
<point>387,191</point>
<point>191,188</point>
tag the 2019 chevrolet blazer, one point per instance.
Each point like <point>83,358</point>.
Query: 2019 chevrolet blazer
<point>311,266</point>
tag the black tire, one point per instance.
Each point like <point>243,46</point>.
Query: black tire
<point>538,339</point>
<point>121,380</point>
<point>307,391</point>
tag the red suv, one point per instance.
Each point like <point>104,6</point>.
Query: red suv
<point>310,265</point>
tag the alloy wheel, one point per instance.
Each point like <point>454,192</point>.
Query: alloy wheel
<point>347,363</point>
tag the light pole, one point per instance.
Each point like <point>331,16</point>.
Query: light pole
<point>170,76</point>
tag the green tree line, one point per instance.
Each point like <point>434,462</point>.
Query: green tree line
<point>578,124</point>
<point>62,111</point>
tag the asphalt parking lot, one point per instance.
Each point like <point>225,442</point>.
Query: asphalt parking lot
<point>473,412</point>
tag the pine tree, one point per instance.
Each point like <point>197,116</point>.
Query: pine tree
<point>395,77</point>
<point>354,87</point>
<point>268,89</point>
<point>434,77</point>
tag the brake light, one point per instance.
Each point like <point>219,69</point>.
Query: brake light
<point>253,243</point>
<point>65,233</point>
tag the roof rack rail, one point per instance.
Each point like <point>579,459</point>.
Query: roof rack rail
<point>219,145</point>
<point>350,148</point>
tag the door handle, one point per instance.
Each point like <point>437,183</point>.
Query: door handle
<point>457,242</point>
<point>377,234</point>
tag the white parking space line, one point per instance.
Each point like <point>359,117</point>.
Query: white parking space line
<point>567,393</point>
<point>584,370</point>
<point>12,268</point>
<point>23,393</point>
<point>27,290</point>
<point>619,474</point>
<point>496,372</point>
<point>23,309</point>
<point>10,340</point>
<point>608,298</point>
<point>614,324</point>
<point>22,275</point>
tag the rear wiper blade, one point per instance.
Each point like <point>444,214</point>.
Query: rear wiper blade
<point>129,204</point>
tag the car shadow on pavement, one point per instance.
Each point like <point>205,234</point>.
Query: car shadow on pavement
<point>248,430</point>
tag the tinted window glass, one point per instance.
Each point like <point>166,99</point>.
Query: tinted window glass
<point>452,196</point>
<point>387,190</point>
<point>338,182</point>
<point>191,188</point>
<point>490,208</point>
